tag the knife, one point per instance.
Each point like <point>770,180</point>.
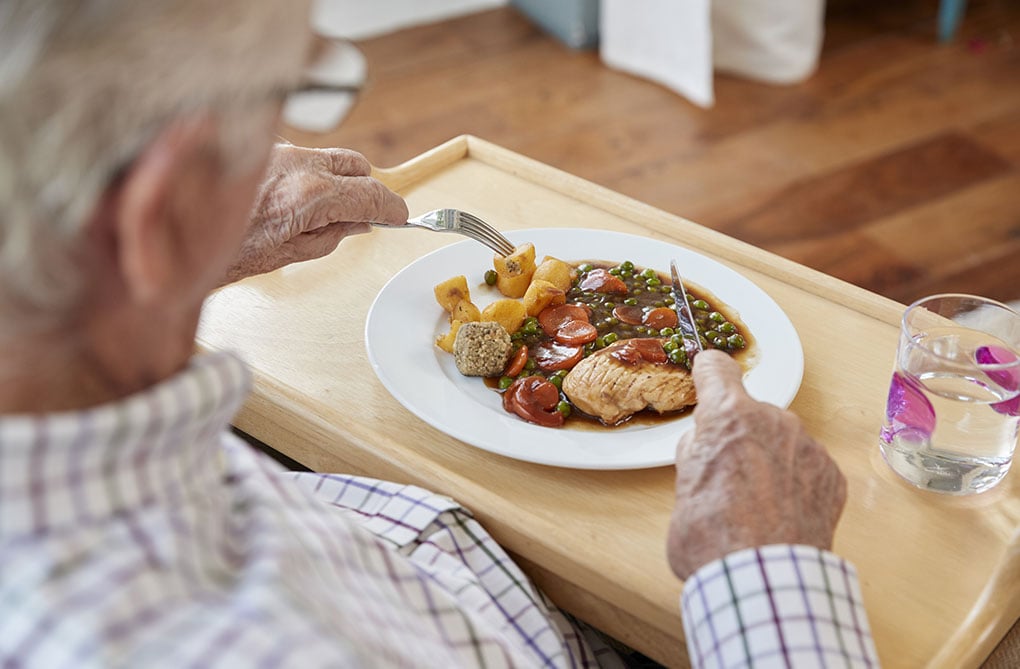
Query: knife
<point>680,302</point>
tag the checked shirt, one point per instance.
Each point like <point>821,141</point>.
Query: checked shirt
<point>143,534</point>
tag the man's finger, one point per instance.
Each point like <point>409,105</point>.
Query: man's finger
<point>323,241</point>
<point>364,199</point>
<point>345,163</point>
<point>717,377</point>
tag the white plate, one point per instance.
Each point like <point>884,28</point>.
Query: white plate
<point>404,321</point>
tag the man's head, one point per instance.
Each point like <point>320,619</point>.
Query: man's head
<point>118,114</point>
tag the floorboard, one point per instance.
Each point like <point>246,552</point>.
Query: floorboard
<point>895,167</point>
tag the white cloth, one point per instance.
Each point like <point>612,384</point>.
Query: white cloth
<point>680,43</point>
<point>339,64</point>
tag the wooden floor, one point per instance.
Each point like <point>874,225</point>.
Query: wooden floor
<point>895,167</point>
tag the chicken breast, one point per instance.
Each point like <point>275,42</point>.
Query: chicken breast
<point>626,377</point>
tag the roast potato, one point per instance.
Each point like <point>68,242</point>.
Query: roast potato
<point>542,294</point>
<point>450,292</point>
<point>446,341</point>
<point>514,272</point>
<point>556,272</point>
<point>508,313</point>
<point>466,312</point>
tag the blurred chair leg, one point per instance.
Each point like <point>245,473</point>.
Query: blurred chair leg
<point>950,13</point>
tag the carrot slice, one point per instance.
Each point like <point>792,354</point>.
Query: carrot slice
<point>551,356</point>
<point>517,362</point>
<point>552,318</point>
<point>629,315</point>
<point>636,351</point>
<point>601,281</point>
<point>576,333</point>
<point>534,399</point>
<point>662,317</point>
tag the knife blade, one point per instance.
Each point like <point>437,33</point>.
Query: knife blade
<point>681,303</point>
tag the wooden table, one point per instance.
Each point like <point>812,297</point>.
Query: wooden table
<point>940,575</point>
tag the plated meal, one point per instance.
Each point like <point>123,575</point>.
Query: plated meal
<point>405,320</point>
<point>592,341</point>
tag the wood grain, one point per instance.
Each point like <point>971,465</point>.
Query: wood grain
<point>892,126</point>
<point>594,539</point>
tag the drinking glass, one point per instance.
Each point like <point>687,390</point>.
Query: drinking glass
<point>954,401</point>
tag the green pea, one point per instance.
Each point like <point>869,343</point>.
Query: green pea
<point>727,328</point>
<point>530,325</point>
<point>610,338</point>
<point>654,282</point>
<point>717,317</point>
<point>530,365</point>
<point>630,302</point>
<point>640,329</point>
<point>719,342</point>
<point>556,381</point>
<point>666,332</point>
<point>627,266</point>
<point>586,267</point>
<point>490,277</point>
<point>700,304</point>
<point>636,289</point>
<point>670,346</point>
<point>505,382</point>
<point>610,305</point>
<point>612,320</point>
<point>669,301</point>
<point>648,273</point>
<point>678,356</point>
<point>517,336</point>
<point>710,335</point>
<point>616,271</point>
<point>564,408</point>
<point>736,341</point>
<point>587,294</point>
<point>666,289</point>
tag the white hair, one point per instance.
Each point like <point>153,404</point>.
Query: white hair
<point>85,84</point>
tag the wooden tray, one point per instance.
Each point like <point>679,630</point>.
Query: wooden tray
<point>941,575</point>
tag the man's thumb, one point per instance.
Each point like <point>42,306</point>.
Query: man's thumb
<point>716,377</point>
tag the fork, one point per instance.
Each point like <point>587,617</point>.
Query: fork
<point>455,220</point>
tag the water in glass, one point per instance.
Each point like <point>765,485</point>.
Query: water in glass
<point>951,425</point>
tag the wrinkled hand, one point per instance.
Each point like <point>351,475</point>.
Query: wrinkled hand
<point>747,475</point>
<point>310,200</point>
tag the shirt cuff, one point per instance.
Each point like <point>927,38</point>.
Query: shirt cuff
<point>782,606</point>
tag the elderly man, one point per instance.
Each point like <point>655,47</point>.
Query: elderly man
<point>137,173</point>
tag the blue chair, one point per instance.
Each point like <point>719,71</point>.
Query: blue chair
<point>950,13</point>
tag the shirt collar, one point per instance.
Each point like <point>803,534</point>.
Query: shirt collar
<point>66,469</point>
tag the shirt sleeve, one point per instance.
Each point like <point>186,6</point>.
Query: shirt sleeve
<point>397,513</point>
<point>777,606</point>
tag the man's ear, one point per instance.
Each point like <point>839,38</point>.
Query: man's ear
<point>147,225</point>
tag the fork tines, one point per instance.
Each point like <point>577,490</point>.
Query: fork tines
<point>485,233</point>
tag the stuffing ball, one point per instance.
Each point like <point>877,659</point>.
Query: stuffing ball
<point>481,349</point>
